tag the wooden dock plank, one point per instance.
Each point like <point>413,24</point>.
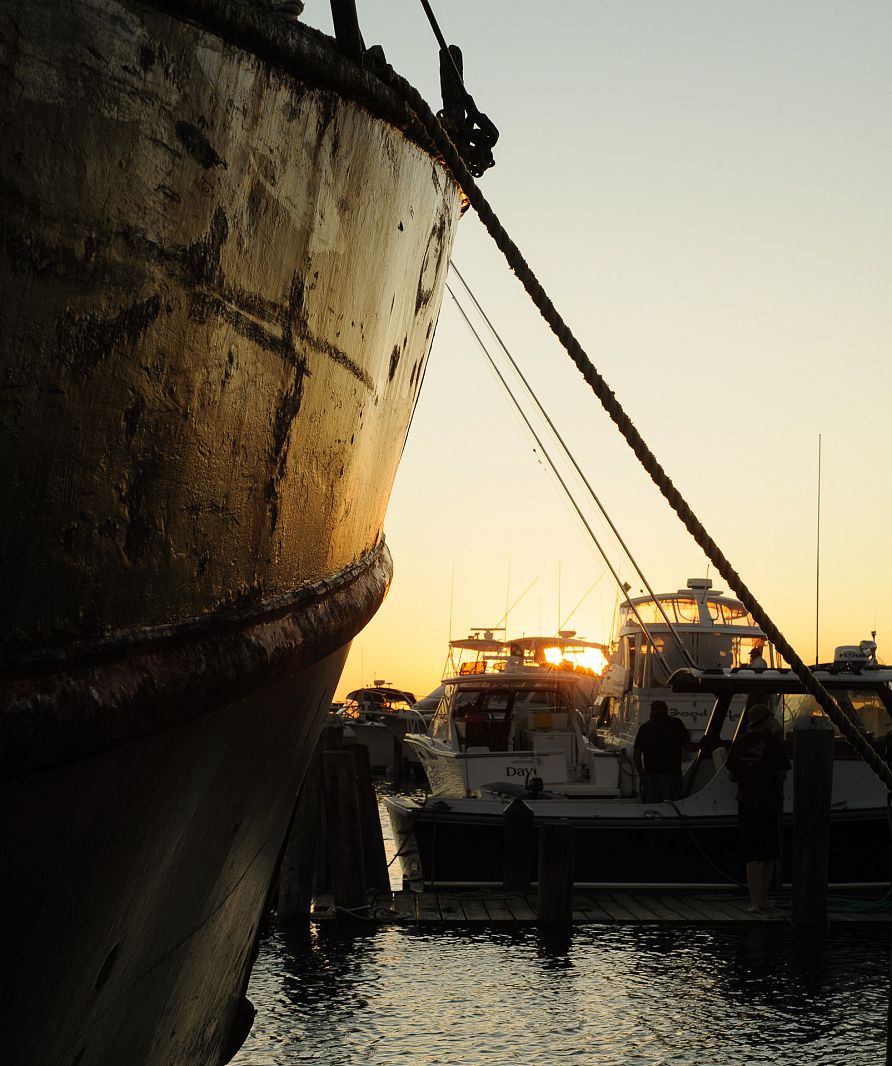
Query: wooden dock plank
<point>404,906</point>
<point>474,910</point>
<point>590,906</point>
<point>523,907</point>
<point>451,906</point>
<point>651,906</point>
<point>497,909</point>
<point>594,910</point>
<point>616,908</point>
<point>676,905</point>
<point>731,909</point>
<point>638,907</point>
<point>427,907</point>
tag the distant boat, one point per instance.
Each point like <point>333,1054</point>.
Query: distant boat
<point>224,257</point>
<point>378,717</point>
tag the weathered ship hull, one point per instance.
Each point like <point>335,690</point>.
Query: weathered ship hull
<point>219,283</point>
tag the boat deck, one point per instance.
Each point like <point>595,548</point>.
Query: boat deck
<point>599,907</point>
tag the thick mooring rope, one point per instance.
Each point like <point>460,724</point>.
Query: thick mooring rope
<point>614,409</point>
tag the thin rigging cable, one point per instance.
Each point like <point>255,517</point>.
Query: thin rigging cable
<point>576,467</point>
<point>569,455</point>
<point>553,466</point>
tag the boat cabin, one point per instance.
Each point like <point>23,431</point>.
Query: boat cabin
<point>514,710</point>
<point>693,628</point>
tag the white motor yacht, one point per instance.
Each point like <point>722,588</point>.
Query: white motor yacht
<point>514,711</point>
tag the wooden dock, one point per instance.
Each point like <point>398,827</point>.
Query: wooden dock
<point>590,907</point>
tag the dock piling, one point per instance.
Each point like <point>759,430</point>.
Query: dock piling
<point>295,888</point>
<point>556,859</point>
<point>377,876</point>
<point>812,788</point>
<point>303,870</point>
<point>344,833</point>
<point>518,854</point>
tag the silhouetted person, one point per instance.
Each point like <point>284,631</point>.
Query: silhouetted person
<point>659,744</point>
<point>758,763</point>
<point>757,660</point>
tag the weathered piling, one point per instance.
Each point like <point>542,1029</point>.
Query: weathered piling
<point>377,876</point>
<point>556,859</point>
<point>295,892</point>
<point>519,844</point>
<point>344,833</point>
<point>304,866</point>
<point>812,788</point>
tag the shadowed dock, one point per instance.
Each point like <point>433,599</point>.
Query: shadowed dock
<point>593,906</point>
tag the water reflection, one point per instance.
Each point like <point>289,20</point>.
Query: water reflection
<point>616,996</point>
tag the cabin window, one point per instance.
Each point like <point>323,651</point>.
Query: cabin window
<point>868,708</point>
<point>713,650</point>
<point>654,674</point>
<point>687,611</point>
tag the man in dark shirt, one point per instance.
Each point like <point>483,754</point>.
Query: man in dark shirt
<point>758,763</point>
<point>659,744</point>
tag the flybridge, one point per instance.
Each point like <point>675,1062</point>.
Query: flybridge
<point>483,652</point>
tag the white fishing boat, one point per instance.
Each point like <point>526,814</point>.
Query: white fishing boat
<point>515,710</point>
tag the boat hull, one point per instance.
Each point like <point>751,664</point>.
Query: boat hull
<point>220,282</point>
<point>443,846</point>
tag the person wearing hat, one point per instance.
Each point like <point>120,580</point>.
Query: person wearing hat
<point>757,659</point>
<point>758,764</point>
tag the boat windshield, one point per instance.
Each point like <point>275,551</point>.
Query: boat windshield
<point>867,706</point>
<point>686,611</point>
<point>707,650</point>
<point>499,703</point>
<point>375,701</point>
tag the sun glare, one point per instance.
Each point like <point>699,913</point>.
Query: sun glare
<point>591,658</point>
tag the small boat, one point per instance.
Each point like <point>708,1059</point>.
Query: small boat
<point>456,837</point>
<point>378,717</point>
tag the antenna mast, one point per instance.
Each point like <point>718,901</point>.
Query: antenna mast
<point>818,560</point>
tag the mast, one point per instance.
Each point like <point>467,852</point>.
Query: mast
<point>818,560</point>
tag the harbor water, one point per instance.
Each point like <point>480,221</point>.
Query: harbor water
<point>615,996</point>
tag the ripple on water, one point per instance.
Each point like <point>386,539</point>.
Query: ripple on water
<point>630,996</point>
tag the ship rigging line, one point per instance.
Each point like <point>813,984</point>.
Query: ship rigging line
<point>566,450</point>
<point>861,744</point>
<point>557,474</point>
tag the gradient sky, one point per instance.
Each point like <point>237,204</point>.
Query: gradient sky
<point>703,189</point>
